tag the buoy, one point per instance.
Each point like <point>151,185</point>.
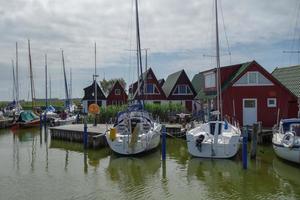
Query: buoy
<point>94,108</point>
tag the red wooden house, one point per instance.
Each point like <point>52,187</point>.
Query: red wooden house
<point>153,92</point>
<point>117,95</point>
<point>179,89</point>
<point>249,94</point>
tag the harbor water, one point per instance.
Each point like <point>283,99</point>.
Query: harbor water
<point>32,167</point>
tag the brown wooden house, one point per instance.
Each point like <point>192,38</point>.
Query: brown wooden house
<point>117,95</point>
<point>179,89</point>
<point>153,92</point>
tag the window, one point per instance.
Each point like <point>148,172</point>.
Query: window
<point>151,89</point>
<point>210,80</point>
<point>272,103</point>
<point>253,78</point>
<point>182,90</point>
<point>249,103</point>
<point>149,77</point>
<point>117,92</point>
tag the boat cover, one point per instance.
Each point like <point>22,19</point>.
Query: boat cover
<point>27,116</point>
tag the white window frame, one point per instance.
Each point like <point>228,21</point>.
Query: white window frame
<point>210,74</point>
<point>272,105</point>
<point>117,93</point>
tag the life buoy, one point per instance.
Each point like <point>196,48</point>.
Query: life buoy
<point>288,140</point>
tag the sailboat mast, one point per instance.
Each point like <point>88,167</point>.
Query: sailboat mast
<point>50,89</point>
<point>70,87</point>
<point>95,75</point>
<point>138,43</point>
<point>31,76</point>
<point>46,81</point>
<point>219,95</point>
<point>14,80</point>
<point>65,78</point>
<point>17,76</point>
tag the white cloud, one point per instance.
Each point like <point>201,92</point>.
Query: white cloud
<point>167,27</point>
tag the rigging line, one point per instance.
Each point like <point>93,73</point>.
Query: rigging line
<point>295,31</point>
<point>224,26</point>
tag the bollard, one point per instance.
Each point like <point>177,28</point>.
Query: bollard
<point>85,135</point>
<point>254,141</point>
<point>41,121</point>
<point>45,119</point>
<point>163,143</point>
<point>244,148</point>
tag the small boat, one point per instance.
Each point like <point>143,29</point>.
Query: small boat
<point>286,140</point>
<point>134,132</point>
<point>215,139</point>
<point>27,119</point>
<point>64,119</point>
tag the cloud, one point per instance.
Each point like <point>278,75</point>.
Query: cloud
<point>177,32</point>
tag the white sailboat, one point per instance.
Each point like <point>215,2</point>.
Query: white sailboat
<point>134,131</point>
<point>215,139</point>
<point>65,117</point>
<point>286,140</point>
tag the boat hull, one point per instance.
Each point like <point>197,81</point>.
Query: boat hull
<point>146,142</point>
<point>286,153</point>
<point>33,123</point>
<point>209,150</point>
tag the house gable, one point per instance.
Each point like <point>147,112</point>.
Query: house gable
<point>90,90</point>
<point>179,87</point>
<point>117,95</point>
<point>152,88</point>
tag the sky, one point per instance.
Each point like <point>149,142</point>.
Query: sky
<point>179,35</point>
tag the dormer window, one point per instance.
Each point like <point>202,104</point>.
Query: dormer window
<point>117,92</point>
<point>210,80</point>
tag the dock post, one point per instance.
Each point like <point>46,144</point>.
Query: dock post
<point>244,148</point>
<point>254,141</point>
<point>45,119</point>
<point>41,121</point>
<point>85,135</point>
<point>163,143</point>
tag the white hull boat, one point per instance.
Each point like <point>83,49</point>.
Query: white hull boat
<point>286,140</point>
<point>211,141</point>
<point>133,133</point>
<point>60,122</point>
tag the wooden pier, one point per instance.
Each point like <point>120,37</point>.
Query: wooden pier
<point>74,133</point>
<point>5,123</point>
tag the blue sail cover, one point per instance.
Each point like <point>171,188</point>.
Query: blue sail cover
<point>50,109</point>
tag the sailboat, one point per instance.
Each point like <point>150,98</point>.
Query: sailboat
<point>286,140</point>
<point>14,108</point>
<point>28,119</point>
<point>66,116</point>
<point>215,139</point>
<point>134,131</point>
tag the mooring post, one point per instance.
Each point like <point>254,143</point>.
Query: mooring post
<point>45,119</point>
<point>163,143</point>
<point>41,121</point>
<point>254,141</point>
<point>244,147</point>
<point>85,134</point>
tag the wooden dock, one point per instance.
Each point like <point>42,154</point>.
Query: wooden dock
<point>5,123</point>
<point>175,130</point>
<point>74,133</point>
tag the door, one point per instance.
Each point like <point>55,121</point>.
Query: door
<point>249,111</point>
